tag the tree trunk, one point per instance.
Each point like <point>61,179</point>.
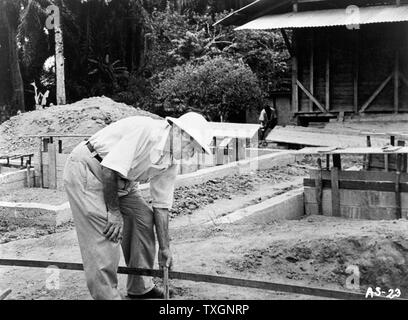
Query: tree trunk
<point>59,62</point>
<point>17,99</point>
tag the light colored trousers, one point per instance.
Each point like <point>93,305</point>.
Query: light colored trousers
<point>82,179</point>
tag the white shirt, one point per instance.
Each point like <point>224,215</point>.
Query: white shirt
<point>134,147</point>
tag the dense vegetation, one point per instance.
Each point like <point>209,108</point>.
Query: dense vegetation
<point>162,56</point>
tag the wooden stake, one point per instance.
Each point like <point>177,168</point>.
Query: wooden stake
<point>319,188</point>
<point>166,283</point>
<point>52,166</point>
<point>335,192</point>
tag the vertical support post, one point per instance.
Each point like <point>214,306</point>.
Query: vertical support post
<point>392,140</point>
<point>181,158</point>
<point>52,165</point>
<point>319,187</point>
<point>28,174</point>
<point>403,156</point>
<point>215,151</point>
<point>396,82</point>
<point>327,162</point>
<point>397,187</point>
<point>335,192</point>
<point>295,94</point>
<point>40,160</point>
<point>356,63</point>
<point>237,149</point>
<point>327,89</point>
<point>311,67</point>
<point>367,157</point>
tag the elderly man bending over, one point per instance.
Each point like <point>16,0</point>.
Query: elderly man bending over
<point>101,179</point>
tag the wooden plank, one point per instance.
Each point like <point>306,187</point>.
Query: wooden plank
<point>376,93</point>
<point>335,191</point>
<point>354,150</point>
<point>282,287</point>
<point>311,97</point>
<point>52,166</point>
<point>359,185</point>
<point>379,176</point>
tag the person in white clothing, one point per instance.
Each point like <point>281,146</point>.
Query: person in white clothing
<point>101,178</point>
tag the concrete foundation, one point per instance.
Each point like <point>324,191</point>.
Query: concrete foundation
<point>27,214</point>
<point>288,206</point>
<point>15,179</point>
<point>31,214</point>
<point>358,204</point>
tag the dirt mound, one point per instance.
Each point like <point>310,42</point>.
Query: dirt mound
<point>84,117</point>
<point>382,261</point>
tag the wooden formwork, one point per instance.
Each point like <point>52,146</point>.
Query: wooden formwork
<point>358,194</point>
<point>52,160</point>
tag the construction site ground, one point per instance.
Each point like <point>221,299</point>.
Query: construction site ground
<point>313,251</point>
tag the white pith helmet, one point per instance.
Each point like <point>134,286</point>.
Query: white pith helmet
<point>195,125</point>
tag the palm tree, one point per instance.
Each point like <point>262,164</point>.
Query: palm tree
<point>9,16</point>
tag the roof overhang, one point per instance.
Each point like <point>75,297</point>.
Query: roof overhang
<point>350,16</point>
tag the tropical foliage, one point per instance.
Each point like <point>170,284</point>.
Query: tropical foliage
<point>135,51</point>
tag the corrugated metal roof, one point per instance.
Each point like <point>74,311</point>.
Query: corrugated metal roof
<point>254,10</point>
<point>333,17</point>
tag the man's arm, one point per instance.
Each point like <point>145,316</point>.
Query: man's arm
<point>161,221</point>
<point>114,226</point>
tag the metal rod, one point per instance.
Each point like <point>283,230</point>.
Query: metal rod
<point>282,287</point>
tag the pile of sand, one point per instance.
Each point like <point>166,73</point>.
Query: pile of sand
<point>84,117</point>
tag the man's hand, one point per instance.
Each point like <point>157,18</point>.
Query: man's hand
<point>114,227</point>
<point>165,258</point>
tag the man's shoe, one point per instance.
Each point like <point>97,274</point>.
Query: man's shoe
<point>155,293</point>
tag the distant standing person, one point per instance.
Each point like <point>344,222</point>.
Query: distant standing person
<point>268,120</point>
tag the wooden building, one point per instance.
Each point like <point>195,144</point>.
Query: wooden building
<point>348,57</point>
